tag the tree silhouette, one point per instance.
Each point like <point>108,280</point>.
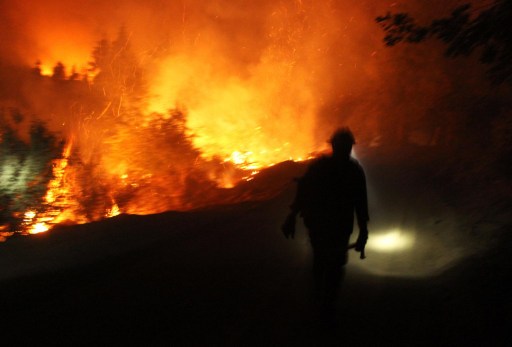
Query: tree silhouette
<point>100,56</point>
<point>119,74</point>
<point>486,29</point>
<point>59,72</point>
<point>36,70</point>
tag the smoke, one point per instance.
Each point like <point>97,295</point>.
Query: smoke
<point>309,63</point>
<point>280,73</point>
<point>260,82</point>
<point>252,83</point>
<point>254,77</point>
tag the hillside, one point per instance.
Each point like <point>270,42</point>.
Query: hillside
<point>225,275</point>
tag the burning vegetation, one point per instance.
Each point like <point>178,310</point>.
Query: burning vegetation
<point>142,133</point>
<point>110,153</point>
<point>180,101</point>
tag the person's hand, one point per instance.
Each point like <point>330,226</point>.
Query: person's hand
<point>288,228</point>
<point>361,242</point>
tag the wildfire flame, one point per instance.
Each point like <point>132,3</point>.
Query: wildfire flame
<point>56,204</point>
<point>114,211</point>
<point>159,127</point>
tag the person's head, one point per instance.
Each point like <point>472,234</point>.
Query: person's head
<point>342,141</point>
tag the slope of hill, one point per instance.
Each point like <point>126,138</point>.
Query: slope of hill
<point>225,275</point>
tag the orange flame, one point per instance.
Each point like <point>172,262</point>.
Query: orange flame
<point>247,115</point>
<point>56,202</point>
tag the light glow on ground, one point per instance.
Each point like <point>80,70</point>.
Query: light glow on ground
<point>390,241</point>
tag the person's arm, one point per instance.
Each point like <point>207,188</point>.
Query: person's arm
<point>288,227</point>
<point>362,214</point>
<point>302,195</point>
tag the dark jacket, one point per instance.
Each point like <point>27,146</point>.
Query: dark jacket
<point>329,193</point>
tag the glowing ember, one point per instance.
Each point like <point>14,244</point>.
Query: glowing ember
<point>38,228</point>
<point>29,215</point>
<point>114,211</point>
<point>5,235</point>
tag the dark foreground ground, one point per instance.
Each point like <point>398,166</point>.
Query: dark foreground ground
<point>226,276</point>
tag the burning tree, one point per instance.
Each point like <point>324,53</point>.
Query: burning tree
<point>119,75</point>
<point>120,155</point>
<point>155,162</point>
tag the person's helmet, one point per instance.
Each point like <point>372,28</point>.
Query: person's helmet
<point>342,138</point>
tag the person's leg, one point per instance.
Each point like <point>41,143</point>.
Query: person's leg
<point>336,259</point>
<point>319,271</point>
<point>334,275</point>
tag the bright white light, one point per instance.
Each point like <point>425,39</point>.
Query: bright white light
<point>391,241</point>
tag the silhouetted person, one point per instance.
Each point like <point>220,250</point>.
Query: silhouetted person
<point>331,190</point>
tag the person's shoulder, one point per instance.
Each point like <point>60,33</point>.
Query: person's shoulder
<point>353,161</point>
<point>356,165</point>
